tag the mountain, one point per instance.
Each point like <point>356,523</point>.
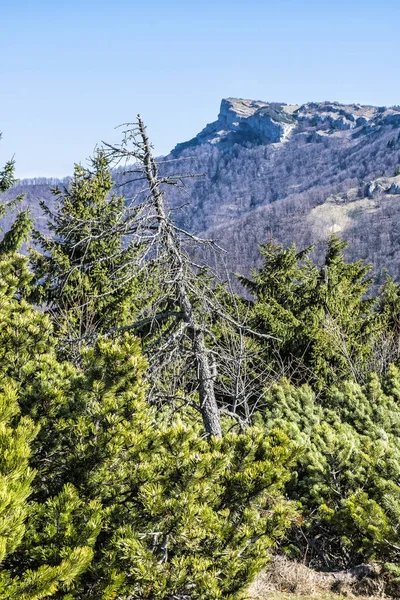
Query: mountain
<point>291,173</point>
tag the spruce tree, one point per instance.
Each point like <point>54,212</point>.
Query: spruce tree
<point>81,276</point>
<point>342,323</point>
<point>325,323</point>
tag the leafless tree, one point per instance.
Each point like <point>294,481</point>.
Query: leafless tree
<point>177,321</point>
<point>186,330</point>
<point>151,223</point>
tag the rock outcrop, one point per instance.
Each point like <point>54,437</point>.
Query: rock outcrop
<point>249,122</point>
<point>245,121</point>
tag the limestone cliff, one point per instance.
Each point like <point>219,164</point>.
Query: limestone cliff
<point>255,122</point>
<point>245,121</point>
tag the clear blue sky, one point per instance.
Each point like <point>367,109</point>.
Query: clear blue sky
<point>71,71</point>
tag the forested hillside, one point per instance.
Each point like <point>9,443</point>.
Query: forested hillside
<point>288,173</point>
<point>162,436</point>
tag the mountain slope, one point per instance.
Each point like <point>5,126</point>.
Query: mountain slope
<point>294,173</point>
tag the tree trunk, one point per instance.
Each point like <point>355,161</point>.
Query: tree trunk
<point>208,404</point>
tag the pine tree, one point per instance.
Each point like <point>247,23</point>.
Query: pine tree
<point>160,509</point>
<point>20,330</point>
<point>325,324</point>
<point>346,478</point>
<point>81,276</point>
<point>183,515</point>
<point>16,476</point>
<point>28,367</point>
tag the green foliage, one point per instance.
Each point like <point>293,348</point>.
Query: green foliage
<point>325,327</point>
<point>15,473</point>
<point>346,480</point>
<point>22,523</point>
<point>17,234</point>
<point>84,276</point>
<point>180,514</point>
<point>391,574</point>
<point>7,178</point>
<point>280,289</point>
<point>141,497</point>
<point>104,495</point>
<point>107,494</point>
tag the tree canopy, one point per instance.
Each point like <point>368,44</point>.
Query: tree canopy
<point>161,436</point>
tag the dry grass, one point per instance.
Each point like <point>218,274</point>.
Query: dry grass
<point>320,596</point>
<point>287,580</point>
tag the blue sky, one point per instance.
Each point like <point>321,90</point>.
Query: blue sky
<point>71,71</point>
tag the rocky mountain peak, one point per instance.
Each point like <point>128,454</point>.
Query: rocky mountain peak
<point>244,122</point>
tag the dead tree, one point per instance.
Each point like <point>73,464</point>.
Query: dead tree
<point>181,312</point>
<point>161,242</point>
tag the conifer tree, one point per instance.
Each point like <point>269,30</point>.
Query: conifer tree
<point>81,276</point>
<point>325,324</point>
<point>160,509</point>
<point>346,478</point>
<point>153,507</point>
<point>281,288</point>
<point>342,322</point>
<point>182,515</point>
<point>387,347</point>
<point>28,368</point>
<point>16,476</point>
<point>18,434</point>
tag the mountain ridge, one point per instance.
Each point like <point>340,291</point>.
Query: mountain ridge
<point>255,121</point>
<point>287,172</point>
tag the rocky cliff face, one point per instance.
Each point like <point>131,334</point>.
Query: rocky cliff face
<point>245,122</point>
<point>298,174</point>
<point>249,122</point>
